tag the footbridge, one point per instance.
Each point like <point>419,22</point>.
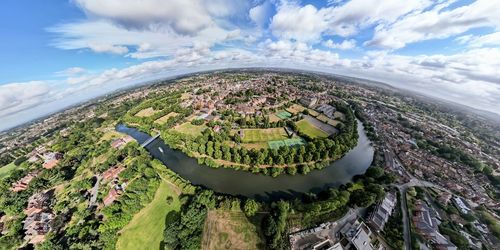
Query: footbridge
<point>148,141</point>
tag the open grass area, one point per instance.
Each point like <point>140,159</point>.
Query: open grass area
<point>230,230</point>
<point>273,118</point>
<point>146,112</point>
<point>190,129</point>
<point>5,170</point>
<point>295,108</point>
<point>145,230</point>
<point>112,134</point>
<point>327,120</point>
<point>283,114</point>
<point>309,129</point>
<point>255,145</point>
<point>164,118</point>
<point>263,135</point>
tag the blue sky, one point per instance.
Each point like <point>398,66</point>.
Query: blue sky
<point>60,52</point>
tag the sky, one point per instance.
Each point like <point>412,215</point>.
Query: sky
<point>57,53</point>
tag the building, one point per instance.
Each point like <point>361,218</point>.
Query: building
<point>120,142</point>
<point>38,217</point>
<point>23,183</point>
<point>308,101</point>
<point>356,235</point>
<point>112,173</point>
<point>459,203</point>
<point>327,110</point>
<point>427,225</point>
<point>382,212</point>
<point>51,159</point>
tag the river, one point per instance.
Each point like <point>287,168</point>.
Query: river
<point>258,186</point>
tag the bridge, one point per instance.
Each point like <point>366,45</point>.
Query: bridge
<point>148,141</point>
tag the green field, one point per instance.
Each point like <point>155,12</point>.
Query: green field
<point>283,114</point>
<point>5,170</point>
<point>190,129</point>
<point>286,142</point>
<point>307,128</point>
<point>145,230</point>
<point>231,230</point>
<point>263,135</point>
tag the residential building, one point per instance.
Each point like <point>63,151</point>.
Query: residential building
<point>382,212</point>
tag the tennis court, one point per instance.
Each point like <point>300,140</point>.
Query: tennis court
<point>283,115</point>
<point>287,142</point>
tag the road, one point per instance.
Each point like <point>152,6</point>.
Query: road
<point>406,220</point>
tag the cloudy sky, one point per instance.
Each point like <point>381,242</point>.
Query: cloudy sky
<point>59,52</point>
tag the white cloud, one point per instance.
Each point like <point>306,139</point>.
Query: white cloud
<point>260,13</point>
<point>492,39</point>
<point>108,48</point>
<point>344,45</point>
<point>436,23</point>
<point>71,71</point>
<point>16,97</point>
<point>185,17</point>
<point>299,23</point>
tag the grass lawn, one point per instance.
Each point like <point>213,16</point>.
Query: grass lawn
<point>263,135</point>
<point>307,128</point>
<point>273,118</point>
<point>145,230</point>
<point>327,120</point>
<point>190,129</point>
<point>295,108</point>
<point>231,230</point>
<point>255,145</point>
<point>146,112</point>
<point>5,170</point>
<point>283,114</point>
<point>164,118</point>
<point>111,134</point>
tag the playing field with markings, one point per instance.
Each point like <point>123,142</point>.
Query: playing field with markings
<point>263,135</point>
<point>286,142</point>
<point>147,112</point>
<point>165,118</point>
<point>309,129</point>
<point>283,114</point>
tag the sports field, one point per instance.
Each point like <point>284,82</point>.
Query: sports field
<point>146,112</point>
<point>309,129</point>
<point>145,230</point>
<point>5,170</point>
<point>273,118</point>
<point>231,230</point>
<point>283,114</point>
<point>286,142</point>
<point>263,135</point>
<point>190,129</point>
<point>294,109</point>
<point>164,118</point>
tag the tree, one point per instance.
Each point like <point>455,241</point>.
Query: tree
<point>251,207</point>
<point>361,198</point>
<point>374,172</point>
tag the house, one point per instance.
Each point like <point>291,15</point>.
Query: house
<point>382,212</point>
<point>427,225</point>
<point>112,173</point>
<point>22,184</point>
<point>51,159</point>
<point>111,197</point>
<point>114,193</point>
<point>120,142</point>
<point>38,217</point>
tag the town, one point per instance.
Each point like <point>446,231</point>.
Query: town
<point>81,177</point>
